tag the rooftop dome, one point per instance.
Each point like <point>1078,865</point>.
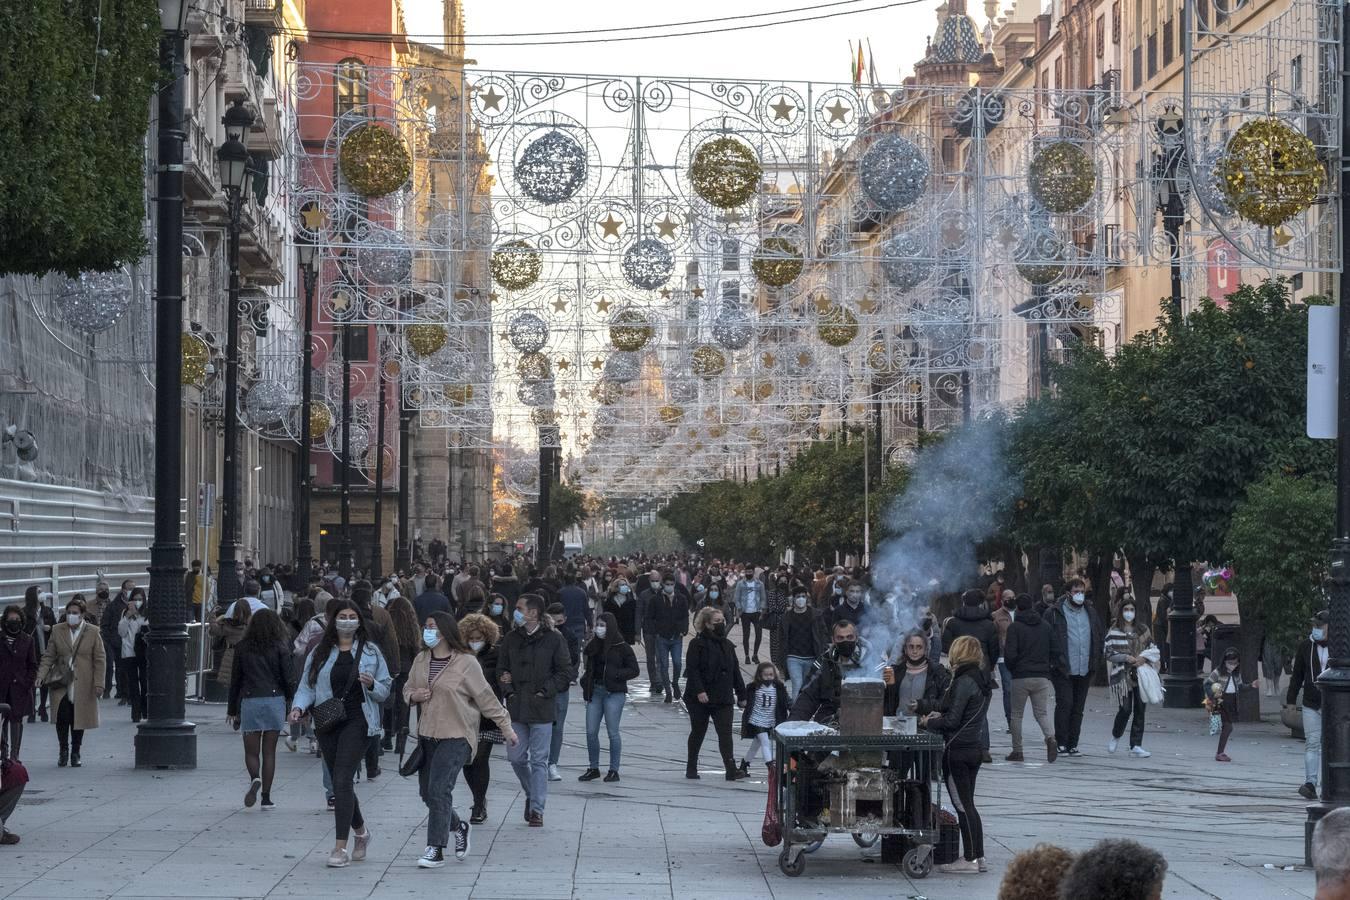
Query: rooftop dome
<point>956,40</point>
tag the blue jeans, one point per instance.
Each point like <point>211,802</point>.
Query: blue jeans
<point>608,706</point>
<point>529,757</point>
<point>669,654</point>
<point>1312,747</point>
<point>559,718</point>
<point>798,668</point>
<point>436,783</point>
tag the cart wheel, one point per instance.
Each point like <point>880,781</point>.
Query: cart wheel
<point>865,839</point>
<point>791,864</point>
<point>813,846</point>
<point>917,863</point>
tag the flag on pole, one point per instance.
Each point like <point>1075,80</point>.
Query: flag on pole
<point>872,66</point>
<point>858,70</point>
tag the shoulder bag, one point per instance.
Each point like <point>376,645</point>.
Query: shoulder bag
<point>412,764</point>
<point>332,712</point>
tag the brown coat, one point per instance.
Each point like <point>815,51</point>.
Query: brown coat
<point>460,699</point>
<point>87,658</point>
<point>232,633</point>
<point>1003,619</point>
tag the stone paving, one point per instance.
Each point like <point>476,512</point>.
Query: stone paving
<point>109,830</point>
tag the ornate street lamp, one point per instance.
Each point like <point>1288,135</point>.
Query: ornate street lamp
<point>308,251</point>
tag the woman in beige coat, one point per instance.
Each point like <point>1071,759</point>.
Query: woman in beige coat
<point>73,667</point>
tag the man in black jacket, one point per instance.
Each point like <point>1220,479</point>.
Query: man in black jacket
<point>1030,653</point>
<point>533,667</point>
<point>1081,639</point>
<point>431,600</point>
<point>818,699</point>
<point>1309,662</point>
<point>665,622</point>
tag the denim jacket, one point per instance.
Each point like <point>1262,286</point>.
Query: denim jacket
<point>372,663</point>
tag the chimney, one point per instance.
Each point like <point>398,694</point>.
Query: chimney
<point>860,706</point>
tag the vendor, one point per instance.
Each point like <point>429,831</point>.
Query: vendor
<point>915,683</point>
<point>819,698</point>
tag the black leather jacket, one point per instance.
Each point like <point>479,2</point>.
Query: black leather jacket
<point>255,674</point>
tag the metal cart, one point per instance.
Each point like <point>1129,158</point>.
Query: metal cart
<point>864,785</point>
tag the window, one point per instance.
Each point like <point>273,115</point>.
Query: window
<point>349,88</point>
<point>731,255</point>
<point>1168,32</point>
<point>1296,74</point>
<point>1152,55</point>
<point>1101,36</point>
<point>1115,22</point>
<point>358,342</point>
<point>1059,72</point>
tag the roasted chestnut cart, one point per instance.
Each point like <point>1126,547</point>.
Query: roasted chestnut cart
<point>868,786</point>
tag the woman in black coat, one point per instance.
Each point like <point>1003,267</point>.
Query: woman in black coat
<point>38,622</point>
<point>481,634</point>
<point>18,674</point>
<point>260,695</point>
<point>921,681</point>
<point>610,663</point>
<point>713,686</point>
<point>622,604</point>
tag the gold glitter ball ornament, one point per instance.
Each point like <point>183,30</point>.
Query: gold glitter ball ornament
<point>534,367</point>
<point>629,330</point>
<point>838,326</point>
<point>374,160</point>
<point>195,358</point>
<point>543,417</point>
<point>778,262</point>
<point>725,172</point>
<point>707,361</point>
<point>1269,172</point>
<point>320,420</point>
<point>516,265</point>
<point>1062,177</point>
<point>671,415</point>
<point>425,339</point>
<point>458,394</point>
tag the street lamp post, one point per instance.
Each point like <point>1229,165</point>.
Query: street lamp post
<point>377,552</point>
<point>234,174</point>
<point>402,550</point>
<point>345,538</point>
<point>1184,690</point>
<point>308,252</point>
<point>165,740</point>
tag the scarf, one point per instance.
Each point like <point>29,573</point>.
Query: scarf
<point>1119,674</point>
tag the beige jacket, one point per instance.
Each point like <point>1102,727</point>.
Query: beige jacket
<point>85,657</point>
<point>460,698</point>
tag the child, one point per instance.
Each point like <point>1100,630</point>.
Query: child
<point>767,708</point>
<point>1221,697</point>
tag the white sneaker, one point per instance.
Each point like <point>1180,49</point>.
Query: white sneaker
<point>1112,745</point>
<point>984,866</point>
<point>291,743</point>
<point>960,867</point>
<point>1140,752</point>
<point>554,774</point>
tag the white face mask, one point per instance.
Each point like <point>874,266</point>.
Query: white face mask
<point>136,603</point>
<point>430,636</point>
<point>1128,615</point>
<point>799,602</point>
<point>477,646</point>
<point>348,626</point>
<point>601,631</point>
<point>1079,599</point>
<point>74,619</point>
<point>1319,634</point>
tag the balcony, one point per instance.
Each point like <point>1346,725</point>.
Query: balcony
<point>264,139</point>
<point>240,78</point>
<point>263,13</point>
<point>261,248</point>
<point>201,176</point>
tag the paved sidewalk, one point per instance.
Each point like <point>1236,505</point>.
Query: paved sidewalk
<point>108,830</point>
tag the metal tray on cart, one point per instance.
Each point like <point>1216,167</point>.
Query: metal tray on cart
<point>916,754</point>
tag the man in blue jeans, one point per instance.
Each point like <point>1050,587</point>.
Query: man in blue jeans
<point>801,639</point>
<point>533,667</point>
<point>667,620</point>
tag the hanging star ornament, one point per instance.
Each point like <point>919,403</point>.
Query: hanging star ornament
<point>698,293</point>
<point>491,99</point>
<point>667,227</point>
<point>602,305</point>
<point>665,293</point>
<point>313,216</point>
<point>564,364</point>
<point>838,112</point>
<point>610,226</point>
<point>597,364</point>
<point>782,110</point>
<point>560,305</point>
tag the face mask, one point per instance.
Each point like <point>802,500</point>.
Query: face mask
<point>601,631</point>
<point>799,602</point>
<point>1128,615</point>
<point>719,629</point>
<point>74,619</point>
<point>714,594</point>
<point>348,626</point>
<point>1079,599</point>
<point>518,617</point>
<point>844,649</point>
<point>477,646</point>
<point>1319,634</point>
<point>623,589</point>
<point>431,637</point>
<point>103,593</point>
<point>13,626</point>
<point>496,609</point>
<point>838,591</point>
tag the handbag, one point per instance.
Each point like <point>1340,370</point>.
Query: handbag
<point>332,712</point>
<point>1215,724</point>
<point>415,759</point>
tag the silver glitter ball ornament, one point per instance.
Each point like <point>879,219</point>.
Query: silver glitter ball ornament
<point>648,264</point>
<point>524,472</point>
<point>905,262</point>
<point>1205,180</point>
<point>682,390</point>
<point>536,393</point>
<point>528,332</point>
<point>552,168</point>
<point>732,327</point>
<point>622,367</point>
<point>94,301</point>
<point>893,173</point>
<point>389,262</point>
<point>267,403</point>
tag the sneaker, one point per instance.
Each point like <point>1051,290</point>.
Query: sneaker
<point>1112,744</point>
<point>960,867</point>
<point>553,773</point>
<point>1015,756</point>
<point>8,837</point>
<point>1072,751</point>
<point>1222,757</point>
<point>292,744</point>
<point>478,816</point>
<point>1308,791</point>
<point>432,859</point>
<point>251,796</point>
<point>670,698</point>
<point>360,844</point>
<point>589,775</point>
<point>536,820</point>
<point>611,775</point>
<point>332,803</point>
<point>462,840</point>
<point>1051,750</point>
<point>266,804</point>
<point>1140,752</point>
<point>984,867</point>
<point>339,859</point>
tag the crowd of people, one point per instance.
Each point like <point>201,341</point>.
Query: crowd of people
<point>442,663</point>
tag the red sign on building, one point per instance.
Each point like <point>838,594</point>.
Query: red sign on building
<point>1223,270</point>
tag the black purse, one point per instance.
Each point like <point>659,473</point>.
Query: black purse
<point>415,759</point>
<point>332,712</point>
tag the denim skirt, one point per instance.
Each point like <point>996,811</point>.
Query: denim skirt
<point>262,714</point>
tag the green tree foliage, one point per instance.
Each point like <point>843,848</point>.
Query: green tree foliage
<point>1278,544</point>
<point>656,537</point>
<point>567,507</point>
<point>77,77</point>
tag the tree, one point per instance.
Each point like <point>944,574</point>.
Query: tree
<point>567,507</point>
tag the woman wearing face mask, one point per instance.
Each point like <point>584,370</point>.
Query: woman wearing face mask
<point>73,666</point>
<point>404,621</point>
<point>713,687</point>
<point>1126,642</point>
<point>915,683</point>
<point>622,605</point>
<point>481,635</point>
<point>347,665</point>
<point>498,609</point>
<point>131,634</point>
<point>610,663</point>
<point>18,674</point>
<point>801,639</point>
<point>452,696</point>
<point>1221,697</point>
<point>260,693</point>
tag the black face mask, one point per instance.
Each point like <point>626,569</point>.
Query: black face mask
<point>13,626</point>
<point>103,594</point>
<point>719,629</point>
<point>844,649</point>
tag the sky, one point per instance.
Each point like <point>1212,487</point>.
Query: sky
<point>808,50</point>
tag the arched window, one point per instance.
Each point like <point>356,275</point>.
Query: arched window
<point>349,88</point>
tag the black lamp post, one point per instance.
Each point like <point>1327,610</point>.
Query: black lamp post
<point>402,549</point>
<point>345,538</point>
<point>309,269</point>
<point>165,740</point>
<point>377,552</point>
<point>234,174</point>
<point>1184,689</point>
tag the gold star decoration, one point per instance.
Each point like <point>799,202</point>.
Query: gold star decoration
<point>503,335</point>
<point>739,391</point>
<point>313,216</point>
<point>492,99</point>
<point>804,359</point>
<point>563,364</point>
<point>698,293</point>
<point>838,112</point>
<point>602,305</point>
<point>493,296</point>
<point>782,110</point>
<point>560,305</point>
<point>667,227</point>
<point>867,305</point>
<point>1281,236</point>
<point>769,360</point>
<point>610,226</point>
<point>597,364</point>
<point>822,302</point>
<point>665,293</point>
<point>342,301</point>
